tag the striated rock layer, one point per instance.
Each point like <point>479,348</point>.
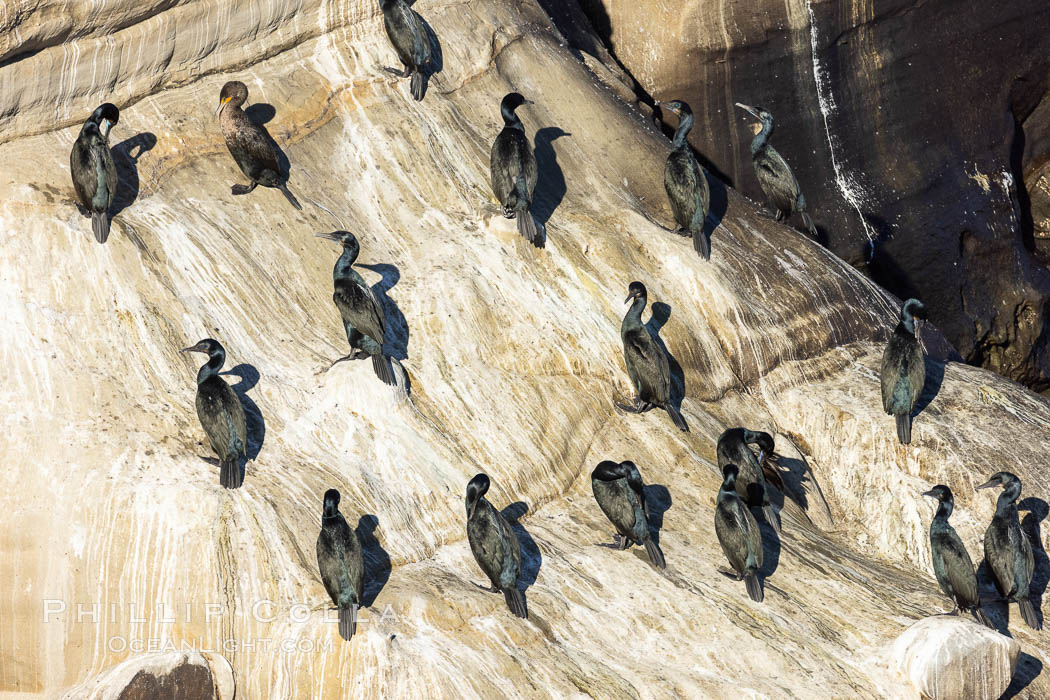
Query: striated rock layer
<point>119,547</point>
<point>919,132</point>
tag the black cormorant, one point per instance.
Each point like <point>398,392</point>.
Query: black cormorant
<point>620,493</point>
<point>91,164</point>
<point>738,534</point>
<point>774,174</point>
<point>951,561</point>
<point>221,414</point>
<point>750,482</point>
<point>646,363</point>
<point>409,38</point>
<point>249,143</point>
<point>903,369</point>
<point>1007,550</point>
<point>494,545</point>
<point>686,185</point>
<point>341,563</point>
<point>513,168</point>
<point>363,317</point>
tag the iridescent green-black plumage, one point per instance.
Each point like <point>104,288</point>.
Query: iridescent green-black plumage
<point>1007,550</point>
<point>646,361</point>
<point>341,563</point>
<point>620,493</point>
<point>494,545</point>
<point>732,448</point>
<point>221,414</point>
<point>408,36</point>
<point>91,165</point>
<point>903,371</point>
<point>739,535</point>
<point>687,188</point>
<point>773,173</point>
<point>513,170</point>
<point>951,562</point>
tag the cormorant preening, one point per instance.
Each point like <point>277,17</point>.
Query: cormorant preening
<point>903,369</point>
<point>494,545</point>
<point>363,317</point>
<point>513,169</point>
<point>774,174</point>
<point>686,185</point>
<point>249,143</point>
<point>410,41</point>
<point>738,534</point>
<point>951,561</point>
<point>750,482</point>
<point>91,164</point>
<point>620,493</point>
<point>221,414</point>
<point>1007,550</point>
<point>341,563</point>
<point>646,363</point>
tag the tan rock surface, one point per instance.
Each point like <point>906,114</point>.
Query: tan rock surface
<point>514,356</point>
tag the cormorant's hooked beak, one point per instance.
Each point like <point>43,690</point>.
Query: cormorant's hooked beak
<point>199,347</point>
<point>222,103</point>
<point>106,126</point>
<point>473,507</point>
<point>994,481</point>
<point>329,237</point>
<point>667,106</point>
<point>752,110</point>
<point>933,494</point>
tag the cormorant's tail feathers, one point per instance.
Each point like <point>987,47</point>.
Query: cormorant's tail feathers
<point>771,517</point>
<point>656,557</point>
<point>904,428</point>
<point>230,476</point>
<point>754,588</point>
<point>291,197</point>
<point>100,225</point>
<point>417,85</point>
<point>1028,614</point>
<point>702,245</point>
<point>677,418</point>
<point>348,621</point>
<point>528,229</point>
<point>809,225</point>
<point>515,601</point>
<point>381,365</point>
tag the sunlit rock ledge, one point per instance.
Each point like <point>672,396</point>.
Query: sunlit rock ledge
<point>514,357</point>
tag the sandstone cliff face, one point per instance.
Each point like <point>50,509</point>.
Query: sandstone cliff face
<point>514,357</point>
<point>919,132</point>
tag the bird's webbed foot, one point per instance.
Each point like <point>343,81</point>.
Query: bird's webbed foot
<point>401,73</point>
<point>351,356</point>
<point>619,543</point>
<point>684,232</point>
<point>243,189</point>
<point>637,406</point>
<point>731,574</point>
<point>492,588</point>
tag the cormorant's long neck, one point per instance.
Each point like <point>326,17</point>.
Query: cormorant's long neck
<point>634,314</point>
<point>908,321</point>
<point>510,119</point>
<point>344,265</point>
<point>216,358</point>
<point>761,140</point>
<point>943,511</point>
<point>685,123</point>
<point>1006,505</point>
<point>728,489</point>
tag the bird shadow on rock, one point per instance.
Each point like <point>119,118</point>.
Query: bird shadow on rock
<point>261,113</point>
<point>770,547</point>
<point>531,558</point>
<point>718,206</point>
<point>931,385</point>
<point>658,318</point>
<point>995,608</point>
<point>1028,669</point>
<point>437,59</point>
<point>550,181</point>
<point>395,343</point>
<point>377,561</point>
<point>127,169</point>
<point>658,501</point>
<point>254,423</point>
<point>793,473</point>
